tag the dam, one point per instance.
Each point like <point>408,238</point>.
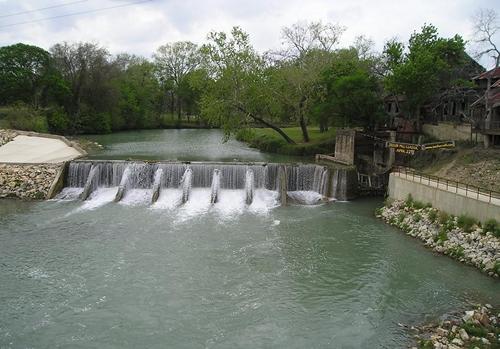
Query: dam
<point>286,183</point>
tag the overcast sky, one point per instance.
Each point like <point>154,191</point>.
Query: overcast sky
<point>141,28</point>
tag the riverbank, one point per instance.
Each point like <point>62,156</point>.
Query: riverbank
<point>461,238</point>
<point>475,328</point>
<point>267,140</point>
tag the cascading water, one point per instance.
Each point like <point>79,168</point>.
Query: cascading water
<point>186,183</point>
<point>249,186</point>
<point>301,184</point>
<point>91,182</point>
<point>214,195</point>
<point>123,184</point>
<point>157,185</point>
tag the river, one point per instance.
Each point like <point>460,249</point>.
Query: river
<point>99,274</point>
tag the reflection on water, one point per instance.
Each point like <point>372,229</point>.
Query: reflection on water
<point>182,145</point>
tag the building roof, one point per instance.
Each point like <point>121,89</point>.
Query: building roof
<point>493,73</point>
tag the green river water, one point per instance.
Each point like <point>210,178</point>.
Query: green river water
<point>129,275</point>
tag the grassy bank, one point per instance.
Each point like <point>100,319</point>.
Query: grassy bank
<point>268,140</point>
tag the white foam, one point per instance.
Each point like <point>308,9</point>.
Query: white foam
<point>168,199</point>
<point>198,204</point>
<point>231,203</point>
<point>263,201</point>
<point>305,197</point>
<point>100,197</point>
<point>69,194</point>
<point>136,197</point>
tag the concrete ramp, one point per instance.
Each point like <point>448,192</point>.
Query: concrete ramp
<point>33,149</point>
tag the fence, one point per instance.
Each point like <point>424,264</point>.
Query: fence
<point>465,189</point>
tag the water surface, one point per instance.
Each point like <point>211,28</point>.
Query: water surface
<point>182,145</point>
<point>127,275</point>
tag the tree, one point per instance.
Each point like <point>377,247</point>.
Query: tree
<point>350,93</point>
<point>237,89</point>
<point>88,72</point>
<point>424,69</point>
<point>174,62</point>
<point>306,53</point>
<point>138,94</point>
<point>486,26</point>
<point>25,74</point>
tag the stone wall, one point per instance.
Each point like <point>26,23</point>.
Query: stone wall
<point>28,181</point>
<point>344,146</point>
<point>450,131</point>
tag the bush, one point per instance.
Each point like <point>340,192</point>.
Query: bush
<point>433,215</point>
<point>466,223</point>
<point>58,120</point>
<point>443,217</point>
<point>22,117</point>
<point>475,330</point>
<point>493,227</point>
<point>417,217</point>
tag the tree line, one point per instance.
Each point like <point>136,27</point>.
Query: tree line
<point>81,88</point>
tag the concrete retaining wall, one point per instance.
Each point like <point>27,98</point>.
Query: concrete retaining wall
<point>452,203</point>
<point>450,131</point>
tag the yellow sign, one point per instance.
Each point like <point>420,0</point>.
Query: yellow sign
<point>411,148</point>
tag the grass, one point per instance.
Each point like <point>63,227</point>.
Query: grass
<point>267,139</point>
<point>466,223</point>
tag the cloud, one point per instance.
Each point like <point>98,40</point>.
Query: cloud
<point>141,28</point>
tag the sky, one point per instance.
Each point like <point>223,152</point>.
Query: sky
<point>140,27</point>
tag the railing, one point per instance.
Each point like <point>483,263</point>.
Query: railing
<point>456,187</point>
<point>487,125</point>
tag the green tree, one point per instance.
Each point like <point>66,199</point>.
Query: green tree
<point>26,74</point>
<point>174,62</point>
<point>350,92</point>
<point>424,69</point>
<point>306,53</point>
<point>238,90</point>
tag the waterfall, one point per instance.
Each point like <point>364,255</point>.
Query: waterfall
<point>123,184</point>
<point>157,185</point>
<point>214,196</point>
<point>186,183</point>
<point>91,182</point>
<point>298,183</point>
<point>249,186</point>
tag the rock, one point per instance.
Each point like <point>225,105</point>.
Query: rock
<point>485,341</point>
<point>457,341</point>
<point>463,334</point>
<point>468,315</point>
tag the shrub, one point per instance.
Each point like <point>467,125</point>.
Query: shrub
<point>493,227</point>
<point>457,252</point>
<point>466,223</point>
<point>475,330</point>
<point>417,217</point>
<point>22,117</point>
<point>58,120</point>
<point>443,217</point>
<point>433,215</point>
<point>409,201</point>
<point>401,217</point>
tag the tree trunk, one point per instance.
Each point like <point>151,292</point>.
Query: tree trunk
<point>268,124</point>
<point>172,107</point>
<point>179,109</point>
<point>302,122</point>
<point>303,127</point>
